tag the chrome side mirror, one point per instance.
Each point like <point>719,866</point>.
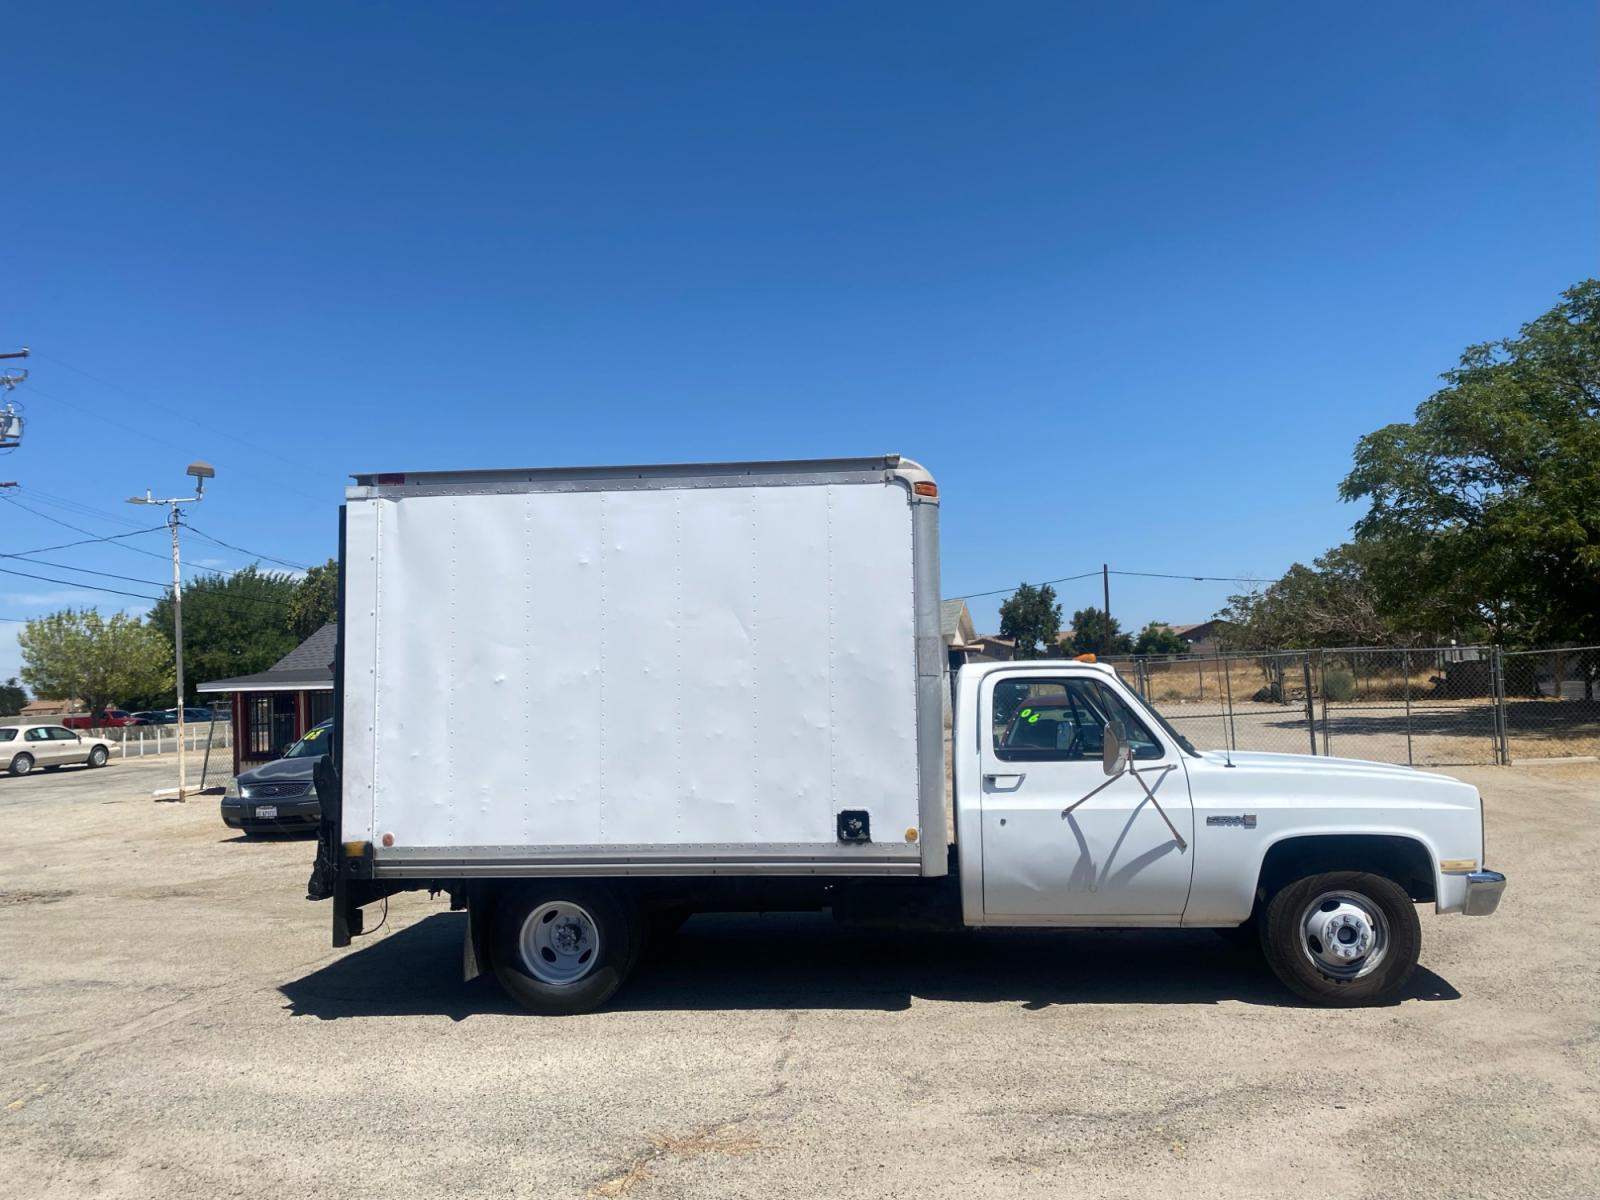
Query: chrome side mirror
<point>1116,755</point>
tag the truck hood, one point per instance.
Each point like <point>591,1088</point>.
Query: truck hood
<point>1342,774</point>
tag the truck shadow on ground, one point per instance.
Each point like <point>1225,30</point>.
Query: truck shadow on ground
<point>807,961</point>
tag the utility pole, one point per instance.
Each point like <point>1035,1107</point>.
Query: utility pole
<point>199,472</point>
<point>1105,583</point>
<point>10,419</point>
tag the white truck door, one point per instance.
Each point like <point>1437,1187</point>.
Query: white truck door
<point>1050,852</point>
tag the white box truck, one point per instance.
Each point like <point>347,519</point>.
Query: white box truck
<point>589,702</point>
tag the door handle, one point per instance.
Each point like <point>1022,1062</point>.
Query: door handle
<point>1005,782</point>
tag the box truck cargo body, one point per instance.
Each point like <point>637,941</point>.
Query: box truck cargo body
<point>645,670</point>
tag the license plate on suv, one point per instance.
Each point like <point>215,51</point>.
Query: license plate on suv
<point>266,811</point>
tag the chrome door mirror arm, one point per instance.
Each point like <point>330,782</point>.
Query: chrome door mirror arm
<point>1129,769</point>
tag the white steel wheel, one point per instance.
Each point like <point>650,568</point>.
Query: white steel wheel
<point>1344,934</point>
<point>559,943</point>
<point>561,947</point>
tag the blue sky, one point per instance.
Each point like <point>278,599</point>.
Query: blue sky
<point>1131,281</point>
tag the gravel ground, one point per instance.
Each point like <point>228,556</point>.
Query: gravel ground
<point>176,1026</point>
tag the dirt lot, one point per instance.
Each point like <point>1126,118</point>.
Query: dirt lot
<point>176,1025</point>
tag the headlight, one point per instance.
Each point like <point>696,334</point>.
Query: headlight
<point>231,792</point>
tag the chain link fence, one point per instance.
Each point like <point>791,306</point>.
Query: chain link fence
<point>1423,706</point>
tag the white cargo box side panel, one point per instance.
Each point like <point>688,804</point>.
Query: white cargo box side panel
<point>573,672</point>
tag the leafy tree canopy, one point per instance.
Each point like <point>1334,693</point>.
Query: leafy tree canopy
<point>1033,618</point>
<point>1333,602</point>
<point>315,601</point>
<point>12,698</point>
<point>1158,638</point>
<point>232,625</point>
<point>1090,634</point>
<point>1484,511</point>
<point>73,655</point>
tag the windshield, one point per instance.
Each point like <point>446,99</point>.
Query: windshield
<point>1183,743</point>
<point>317,742</point>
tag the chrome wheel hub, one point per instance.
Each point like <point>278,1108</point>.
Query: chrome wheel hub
<point>559,943</point>
<point>1344,934</point>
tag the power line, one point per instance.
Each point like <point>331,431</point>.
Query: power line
<point>1142,574</point>
<point>196,569</point>
<point>84,542</point>
<point>78,528</point>
<point>86,587</point>
<point>85,570</point>
<point>1008,591</point>
<point>191,418</point>
<point>241,550</point>
<point>1196,578</point>
<point>100,416</point>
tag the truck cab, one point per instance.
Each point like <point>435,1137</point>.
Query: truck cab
<point>1077,804</point>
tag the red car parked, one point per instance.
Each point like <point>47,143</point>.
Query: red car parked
<point>113,718</point>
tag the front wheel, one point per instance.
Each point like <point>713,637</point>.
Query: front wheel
<point>1342,938</point>
<point>98,756</point>
<point>564,948</point>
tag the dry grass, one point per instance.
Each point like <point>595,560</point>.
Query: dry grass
<point>708,1139</point>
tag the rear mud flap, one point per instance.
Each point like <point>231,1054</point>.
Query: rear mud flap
<point>475,956</point>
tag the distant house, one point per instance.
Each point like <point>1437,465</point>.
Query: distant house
<point>956,630</point>
<point>991,647</point>
<point>50,708</point>
<point>1201,638</point>
<point>273,708</point>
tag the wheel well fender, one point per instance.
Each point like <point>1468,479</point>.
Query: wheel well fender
<point>1394,856</point>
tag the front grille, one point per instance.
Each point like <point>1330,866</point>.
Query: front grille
<point>275,791</point>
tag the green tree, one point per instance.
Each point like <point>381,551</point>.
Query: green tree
<point>1333,602</point>
<point>73,655</point>
<point>316,600</point>
<point>1158,638</point>
<point>12,698</point>
<point>1484,511</point>
<point>1033,619</point>
<point>1090,634</point>
<point>232,625</point>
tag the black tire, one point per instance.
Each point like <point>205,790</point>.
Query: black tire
<point>22,764</point>
<point>614,923</point>
<point>98,757</point>
<point>1291,956</point>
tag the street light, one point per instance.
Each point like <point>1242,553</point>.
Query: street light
<point>199,472</point>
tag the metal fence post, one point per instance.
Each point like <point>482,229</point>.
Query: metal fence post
<point>1311,712</point>
<point>1405,667</point>
<point>1322,664</point>
<point>1227,691</point>
<point>1502,747</point>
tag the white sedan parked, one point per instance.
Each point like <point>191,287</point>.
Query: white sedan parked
<point>24,747</point>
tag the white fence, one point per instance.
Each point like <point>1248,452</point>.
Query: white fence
<point>136,741</point>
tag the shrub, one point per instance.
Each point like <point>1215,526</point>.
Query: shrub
<point>1338,684</point>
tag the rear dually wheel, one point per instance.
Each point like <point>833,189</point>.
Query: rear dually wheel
<point>563,947</point>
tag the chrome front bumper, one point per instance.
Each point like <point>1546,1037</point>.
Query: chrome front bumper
<point>1483,893</point>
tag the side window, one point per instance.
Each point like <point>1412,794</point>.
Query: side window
<point>1063,720</point>
<point>36,735</point>
<point>7,735</point>
<point>62,735</point>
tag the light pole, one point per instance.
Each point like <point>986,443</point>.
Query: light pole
<point>199,472</point>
